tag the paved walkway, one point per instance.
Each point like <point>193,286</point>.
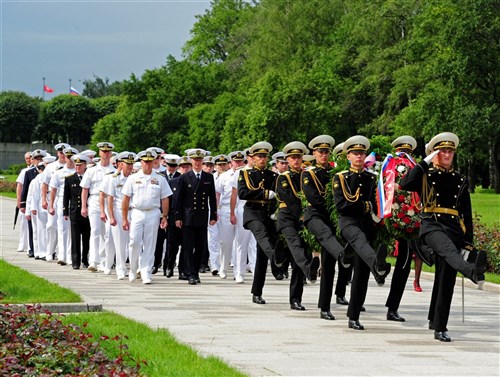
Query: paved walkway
<point>218,318</point>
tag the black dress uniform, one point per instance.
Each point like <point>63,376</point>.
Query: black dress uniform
<point>29,176</point>
<point>255,186</point>
<point>196,205</point>
<point>290,212</point>
<point>446,227</point>
<point>80,226</point>
<point>174,236</point>
<point>317,220</point>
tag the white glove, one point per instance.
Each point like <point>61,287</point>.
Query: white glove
<point>429,158</point>
<point>465,254</point>
<point>272,195</point>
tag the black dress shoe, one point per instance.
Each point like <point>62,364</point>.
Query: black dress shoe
<point>279,277</point>
<point>297,306</point>
<point>169,273</point>
<point>198,281</point>
<point>442,336</point>
<point>362,309</point>
<point>76,267</point>
<point>215,272</point>
<point>31,255</point>
<point>355,325</point>
<point>380,280</point>
<point>85,265</point>
<point>342,301</point>
<point>258,300</point>
<point>431,325</point>
<point>192,281</point>
<point>183,276</point>
<point>154,270</point>
<point>326,315</point>
<point>204,269</point>
<point>393,315</point>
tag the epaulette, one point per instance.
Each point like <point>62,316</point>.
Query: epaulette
<point>342,172</point>
<point>115,174</point>
<point>310,168</point>
<point>111,172</point>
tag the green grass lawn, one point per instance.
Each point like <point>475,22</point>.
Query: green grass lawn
<point>487,204</point>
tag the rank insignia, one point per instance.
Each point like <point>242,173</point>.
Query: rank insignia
<point>284,184</point>
<point>306,181</point>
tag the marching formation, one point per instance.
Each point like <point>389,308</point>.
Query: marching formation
<point>319,208</point>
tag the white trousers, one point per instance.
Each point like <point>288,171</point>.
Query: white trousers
<point>52,233</point>
<point>243,238</point>
<point>227,233</point>
<point>97,233</point>
<point>213,246</point>
<point>23,232</point>
<point>120,239</point>
<point>63,236</point>
<point>143,233</point>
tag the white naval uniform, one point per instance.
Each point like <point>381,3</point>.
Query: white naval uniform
<point>23,223</point>
<point>51,226</point>
<point>119,236</point>
<point>91,180</point>
<point>108,258</point>
<point>63,225</point>
<point>246,245</point>
<point>146,193</point>
<point>213,238</point>
<point>227,231</point>
<point>38,220</point>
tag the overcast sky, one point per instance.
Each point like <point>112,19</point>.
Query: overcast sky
<point>62,40</point>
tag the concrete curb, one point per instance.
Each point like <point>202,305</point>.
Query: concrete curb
<point>77,307</point>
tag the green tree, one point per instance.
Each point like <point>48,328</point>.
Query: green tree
<point>18,117</point>
<point>99,87</point>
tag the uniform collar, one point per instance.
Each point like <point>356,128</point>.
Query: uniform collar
<point>352,170</point>
<point>440,168</point>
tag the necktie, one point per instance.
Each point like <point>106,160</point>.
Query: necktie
<point>198,176</point>
<point>170,176</point>
<point>80,178</point>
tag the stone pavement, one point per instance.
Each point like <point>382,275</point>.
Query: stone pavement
<point>218,318</point>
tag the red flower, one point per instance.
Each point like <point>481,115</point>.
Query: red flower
<point>417,224</point>
<point>409,230</point>
<point>401,215</point>
<point>395,225</point>
<point>407,220</point>
<point>401,198</point>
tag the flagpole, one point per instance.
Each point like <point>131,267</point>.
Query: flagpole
<point>43,89</point>
<point>69,86</point>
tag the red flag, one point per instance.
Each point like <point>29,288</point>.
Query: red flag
<point>47,89</point>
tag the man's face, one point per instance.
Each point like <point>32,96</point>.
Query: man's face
<point>147,167</point>
<point>236,164</point>
<point>80,168</point>
<point>445,157</point>
<point>322,155</point>
<point>184,168</point>
<point>27,158</point>
<point>260,160</point>
<point>105,157</point>
<point>221,168</point>
<point>357,159</point>
<point>295,161</point>
<point>126,168</point>
<point>171,168</point>
<point>197,162</point>
<point>282,166</point>
<point>208,168</point>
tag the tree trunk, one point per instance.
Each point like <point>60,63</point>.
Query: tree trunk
<point>495,164</point>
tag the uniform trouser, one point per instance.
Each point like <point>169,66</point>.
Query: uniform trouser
<point>64,236</point>
<point>442,294</point>
<point>343,278</point>
<point>41,233</point>
<point>213,245</point>
<point>31,243</point>
<point>97,234</point>
<point>325,234</point>
<point>296,284</point>
<point>160,246</point>
<point>259,275</point>
<point>243,238</point>
<point>142,242</point>
<point>109,247</point>
<point>358,240</point>
<point>80,238</point>
<point>51,234</point>
<point>326,281</point>
<point>194,244</point>
<point>34,225</point>
<point>445,248</point>
<point>121,243</point>
<point>174,241</point>
<point>281,249</point>
<point>358,288</point>
<point>296,246</point>
<point>23,233</point>
<point>399,275</point>
<point>227,234</point>
<point>252,252</point>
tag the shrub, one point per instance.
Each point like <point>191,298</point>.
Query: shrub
<point>7,186</point>
<point>36,343</point>
<point>488,239</point>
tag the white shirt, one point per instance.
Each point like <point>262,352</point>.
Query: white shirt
<point>146,191</point>
<point>114,189</point>
<point>224,186</point>
<point>57,181</point>
<point>92,180</point>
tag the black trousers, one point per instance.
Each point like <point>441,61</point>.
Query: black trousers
<point>359,287</point>
<point>160,241</point>
<point>194,242</point>
<point>325,234</point>
<point>326,281</point>
<point>297,249</point>
<point>296,284</point>
<point>400,274</point>
<point>442,294</point>
<point>285,258</point>
<point>343,278</point>
<point>359,241</point>
<point>449,251</point>
<point>174,241</point>
<point>80,241</point>
<point>31,250</point>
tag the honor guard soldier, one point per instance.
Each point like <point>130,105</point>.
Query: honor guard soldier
<point>446,225</point>
<point>145,193</point>
<point>256,186</point>
<point>91,183</point>
<point>288,189</point>
<point>72,207</point>
<point>401,162</point>
<point>196,208</point>
<point>354,195</point>
<point>317,218</point>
